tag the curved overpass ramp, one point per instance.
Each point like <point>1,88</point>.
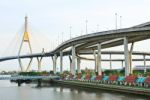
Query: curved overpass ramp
<point>100,40</point>
<point>134,34</point>
<point>96,42</point>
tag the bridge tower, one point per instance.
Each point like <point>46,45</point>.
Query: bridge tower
<point>25,39</point>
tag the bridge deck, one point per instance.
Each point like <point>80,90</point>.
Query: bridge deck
<point>28,77</point>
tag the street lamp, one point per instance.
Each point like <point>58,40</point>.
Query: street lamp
<point>97,27</point>
<point>86,30</point>
<point>62,37</point>
<point>116,20</point>
<point>70,31</point>
<point>120,22</point>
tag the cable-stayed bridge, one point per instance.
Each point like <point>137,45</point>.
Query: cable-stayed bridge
<point>91,44</point>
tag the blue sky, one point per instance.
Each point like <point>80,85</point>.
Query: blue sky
<point>48,19</point>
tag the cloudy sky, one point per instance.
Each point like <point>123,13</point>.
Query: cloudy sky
<point>49,19</point>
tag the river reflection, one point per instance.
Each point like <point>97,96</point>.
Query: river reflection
<point>76,93</point>
<point>10,91</point>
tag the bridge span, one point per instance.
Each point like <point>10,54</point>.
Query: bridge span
<point>28,77</point>
<point>93,44</point>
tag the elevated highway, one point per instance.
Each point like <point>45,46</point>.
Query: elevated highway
<point>93,44</point>
<point>82,52</point>
<point>107,38</point>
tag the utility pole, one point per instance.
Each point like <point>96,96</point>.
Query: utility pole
<point>81,32</point>
<point>86,27</point>
<point>120,22</point>
<point>70,31</point>
<point>97,27</point>
<point>58,39</point>
<point>116,20</point>
<point>62,37</point>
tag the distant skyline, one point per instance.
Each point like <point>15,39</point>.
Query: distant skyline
<point>48,19</point>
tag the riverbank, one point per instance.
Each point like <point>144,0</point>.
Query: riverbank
<point>109,87</point>
<point>58,92</point>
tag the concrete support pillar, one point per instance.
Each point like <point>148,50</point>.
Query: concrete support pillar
<point>130,63</point>
<point>29,65</point>
<point>144,63</point>
<point>39,82</point>
<point>99,69</point>
<point>39,59</point>
<point>61,62</point>
<point>20,64</point>
<point>110,61</point>
<point>122,63</point>
<point>78,65</point>
<point>70,62</point>
<point>73,67</point>
<point>95,59</point>
<point>126,55</point>
<point>130,59</point>
<point>25,39</point>
<point>19,82</point>
<point>54,58</point>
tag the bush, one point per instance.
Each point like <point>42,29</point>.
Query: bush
<point>111,72</point>
<point>34,73</point>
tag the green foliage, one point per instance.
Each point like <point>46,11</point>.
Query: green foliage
<point>52,72</point>
<point>138,72</point>
<point>34,73</point>
<point>147,73</point>
<point>83,72</point>
<point>111,72</point>
<point>122,72</point>
<point>66,72</point>
<point>57,73</point>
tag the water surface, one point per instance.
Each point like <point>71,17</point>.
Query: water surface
<point>10,91</point>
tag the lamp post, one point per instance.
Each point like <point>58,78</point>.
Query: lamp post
<point>70,31</point>
<point>62,36</point>
<point>120,22</point>
<point>116,20</point>
<point>97,27</point>
<point>86,30</point>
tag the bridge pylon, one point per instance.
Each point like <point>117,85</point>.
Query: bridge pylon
<point>25,39</point>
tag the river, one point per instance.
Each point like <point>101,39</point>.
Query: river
<point>10,91</point>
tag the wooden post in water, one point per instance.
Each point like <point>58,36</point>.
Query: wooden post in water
<point>39,83</point>
<point>19,82</point>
